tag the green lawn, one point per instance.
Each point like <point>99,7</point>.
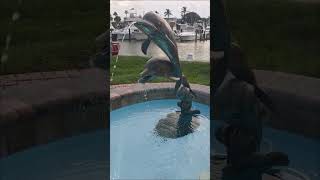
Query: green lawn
<point>129,67</point>
<point>51,35</point>
<point>277,34</point>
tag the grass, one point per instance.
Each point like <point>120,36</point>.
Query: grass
<point>278,35</point>
<point>50,35</point>
<point>128,69</point>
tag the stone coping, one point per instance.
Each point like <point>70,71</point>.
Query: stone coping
<point>127,94</point>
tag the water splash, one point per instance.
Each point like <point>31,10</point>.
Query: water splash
<point>5,53</point>
<point>145,95</point>
<point>4,58</point>
<point>119,154</point>
<point>15,16</point>
<point>117,57</point>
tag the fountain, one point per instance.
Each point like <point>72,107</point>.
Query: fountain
<point>154,126</point>
<point>182,122</point>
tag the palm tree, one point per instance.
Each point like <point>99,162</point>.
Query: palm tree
<point>126,12</point>
<point>167,13</point>
<point>115,14</point>
<point>183,12</point>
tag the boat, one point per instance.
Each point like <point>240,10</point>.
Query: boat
<point>137,34</point>
<point>122,32</point>
<point>207,32</point>
<point>187,36</point>
<point>186,32</point>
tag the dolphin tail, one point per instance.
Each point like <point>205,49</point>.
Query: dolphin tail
<point>145,79</point>
<point>145,45</point>
<point>264,98</point>
<point>178,84</point>
<point>173,78</point>
<point>193,93</point>
<point>144,72</point>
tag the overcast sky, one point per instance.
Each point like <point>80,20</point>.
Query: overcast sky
<point>202,7</point>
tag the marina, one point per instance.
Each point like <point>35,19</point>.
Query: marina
<point>188,50</point>
<point>191,33</point>
<point>196,29</point>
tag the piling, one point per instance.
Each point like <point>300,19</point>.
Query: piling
<point>196,36</point>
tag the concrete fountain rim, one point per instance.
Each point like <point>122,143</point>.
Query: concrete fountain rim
<point>127,94</point>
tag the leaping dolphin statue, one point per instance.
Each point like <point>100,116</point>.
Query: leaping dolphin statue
<point>159,31</point>
<point>160,24</point>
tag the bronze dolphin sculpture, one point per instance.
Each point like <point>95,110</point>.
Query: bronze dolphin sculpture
<point>159,31</point>
<point>158,66</point>
<point>160,24</point>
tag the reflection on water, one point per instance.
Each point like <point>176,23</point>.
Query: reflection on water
<point>200,50</point>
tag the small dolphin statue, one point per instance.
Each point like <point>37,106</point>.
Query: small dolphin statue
<point>184,82</point>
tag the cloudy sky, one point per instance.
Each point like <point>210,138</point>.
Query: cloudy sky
<point>202,7</point>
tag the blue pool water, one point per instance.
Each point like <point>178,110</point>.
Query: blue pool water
<point>304,153</point>
<point>78,158</point>
<point>138,153</point>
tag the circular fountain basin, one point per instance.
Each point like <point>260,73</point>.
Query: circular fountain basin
<point>137,152</point>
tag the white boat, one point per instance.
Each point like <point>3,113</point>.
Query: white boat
<point>187,36</point>
<point>187,33</point>
<point>137,34</point>
<point>121,33</point>
<point>207,32</point>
